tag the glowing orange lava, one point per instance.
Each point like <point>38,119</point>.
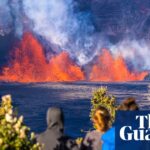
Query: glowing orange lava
<point>108,68</point>
<point>28,64</point>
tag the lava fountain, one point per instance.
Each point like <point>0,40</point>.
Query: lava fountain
<point>109,68</point>
<point>28,64</point>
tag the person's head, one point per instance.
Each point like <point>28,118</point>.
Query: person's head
<point>128,104</point>
<point>101,119</point>
<point>55,118</point>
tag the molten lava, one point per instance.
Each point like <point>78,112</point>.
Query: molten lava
<point>28,64</point>
<point>108,68</point>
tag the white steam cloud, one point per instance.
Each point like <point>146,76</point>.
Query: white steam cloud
<point>5,18</point>
<point>50,19</point>
<point>69,29</point>
<point>57,23</point>
<point>135,52</point>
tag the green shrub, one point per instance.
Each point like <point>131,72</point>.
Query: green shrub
<point>14,135</point>
<point>101,98</point>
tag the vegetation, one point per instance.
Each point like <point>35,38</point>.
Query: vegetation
<point>14,135</point>
<point>102,98</point>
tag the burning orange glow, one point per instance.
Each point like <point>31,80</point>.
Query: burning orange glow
<point>108,68</point>
<point>64,69</point>
<point>28,64</point>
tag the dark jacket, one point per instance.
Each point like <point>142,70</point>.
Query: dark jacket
<point>53,138</point>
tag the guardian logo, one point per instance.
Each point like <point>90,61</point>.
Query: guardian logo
<point>132,130</point>
<point>141,133</point>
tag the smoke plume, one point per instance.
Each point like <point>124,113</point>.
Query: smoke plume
<point>83,28</point>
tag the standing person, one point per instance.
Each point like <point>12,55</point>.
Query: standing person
<point>108,137</point>
<point>53,137</point>
<point>101,120</point>
<point>128,104</point>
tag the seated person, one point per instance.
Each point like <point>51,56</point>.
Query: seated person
<point>53,137</point>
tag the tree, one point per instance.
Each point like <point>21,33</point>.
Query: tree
<point>13,133</point>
